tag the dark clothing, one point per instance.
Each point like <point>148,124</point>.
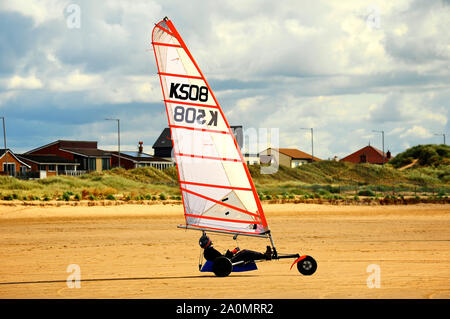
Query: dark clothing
<point>247,255</point>
<point>211,253</point>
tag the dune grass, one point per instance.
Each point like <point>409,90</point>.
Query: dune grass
<point>327,179</point>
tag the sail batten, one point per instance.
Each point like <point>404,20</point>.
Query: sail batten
<point>216,187</point>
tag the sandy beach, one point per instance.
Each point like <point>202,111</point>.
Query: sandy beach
<point>136,251</point>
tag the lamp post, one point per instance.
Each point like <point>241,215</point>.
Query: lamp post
<point>382,137</point>
<point>443,135</point>
<point>118,135</point>
<point>312,141</point>
<point>6,151</point>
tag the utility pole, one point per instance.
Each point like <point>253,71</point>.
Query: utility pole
<point>443,135</point>
<point>4,140</point>
<point>118,135</point>
<point>382,135</point>
<point>312,141</point>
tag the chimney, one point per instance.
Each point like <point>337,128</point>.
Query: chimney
<point>141,148</point>
<point>388,154</point>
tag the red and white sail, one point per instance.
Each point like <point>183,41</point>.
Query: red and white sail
<point>217,190</point>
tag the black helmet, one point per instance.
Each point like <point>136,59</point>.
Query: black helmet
<point>204,241</point>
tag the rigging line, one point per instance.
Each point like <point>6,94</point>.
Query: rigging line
<point>210,157</point>
<point>165,30</point>
<point>181,76</point>
<point>167,44</point>
<point>198,129</point>
<point>217,186</point>
<point>190,103</point>
<point>223,219</point>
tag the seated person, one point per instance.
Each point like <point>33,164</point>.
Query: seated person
<point>235,255</point>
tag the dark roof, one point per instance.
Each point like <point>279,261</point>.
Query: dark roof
<point>77,144</point>
<point>87,151</point>
<point>46,159</point>
<point>164,140</point>
<point>68,144</point>
<point>140,157</point>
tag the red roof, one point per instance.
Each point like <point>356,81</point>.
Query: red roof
<point>296,154</point>
<point>368,154</point>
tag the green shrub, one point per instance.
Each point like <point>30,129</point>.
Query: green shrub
<point>110,197</point>
<point>66,196</point>
<point>162,196</point>
<point>366,192</point>
<point>77,196</point>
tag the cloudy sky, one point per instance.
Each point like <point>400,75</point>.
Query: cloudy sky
<point>345,68</point>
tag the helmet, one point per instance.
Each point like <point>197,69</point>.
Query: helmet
<point>204,241</point>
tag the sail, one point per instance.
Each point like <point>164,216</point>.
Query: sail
<point>216,187</point>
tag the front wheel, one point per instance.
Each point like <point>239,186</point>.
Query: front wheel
<point>307,266</point>
<point>222,266</point>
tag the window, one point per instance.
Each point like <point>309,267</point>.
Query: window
<point>51,168</point>
<point>92,165</point>
<point>23,169</point>
<point>105,163</point>
<point>363,158</point>
<point>11,169</point>
<point>42,167</point>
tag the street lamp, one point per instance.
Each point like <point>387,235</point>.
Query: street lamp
<point>312,141</point>
<point>118,135</point>
<point>443,134</point>
<point>382,134</point>
<point>4,140</point>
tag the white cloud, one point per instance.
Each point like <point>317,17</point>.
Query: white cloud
<point>277,66</point>
<point>18,82</point>
<point>417,131</point>
<point>40,11</point>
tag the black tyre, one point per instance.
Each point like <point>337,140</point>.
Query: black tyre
<point>222,266</point>
<point>307,266</point>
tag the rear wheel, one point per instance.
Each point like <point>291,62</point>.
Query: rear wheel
<point>222,266</point>
<point>307,266</point>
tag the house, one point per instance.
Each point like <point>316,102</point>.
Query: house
<point>368,154</point>
<point>130,160</point>
<point>163,144</point>
<point>289,157</point>
<point>162,147</point>
<point>11,165</point>
<point>50,165</point>
<point>251,158</point>
<point>85,153</point>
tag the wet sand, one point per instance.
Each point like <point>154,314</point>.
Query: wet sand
<point>133,251</point>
